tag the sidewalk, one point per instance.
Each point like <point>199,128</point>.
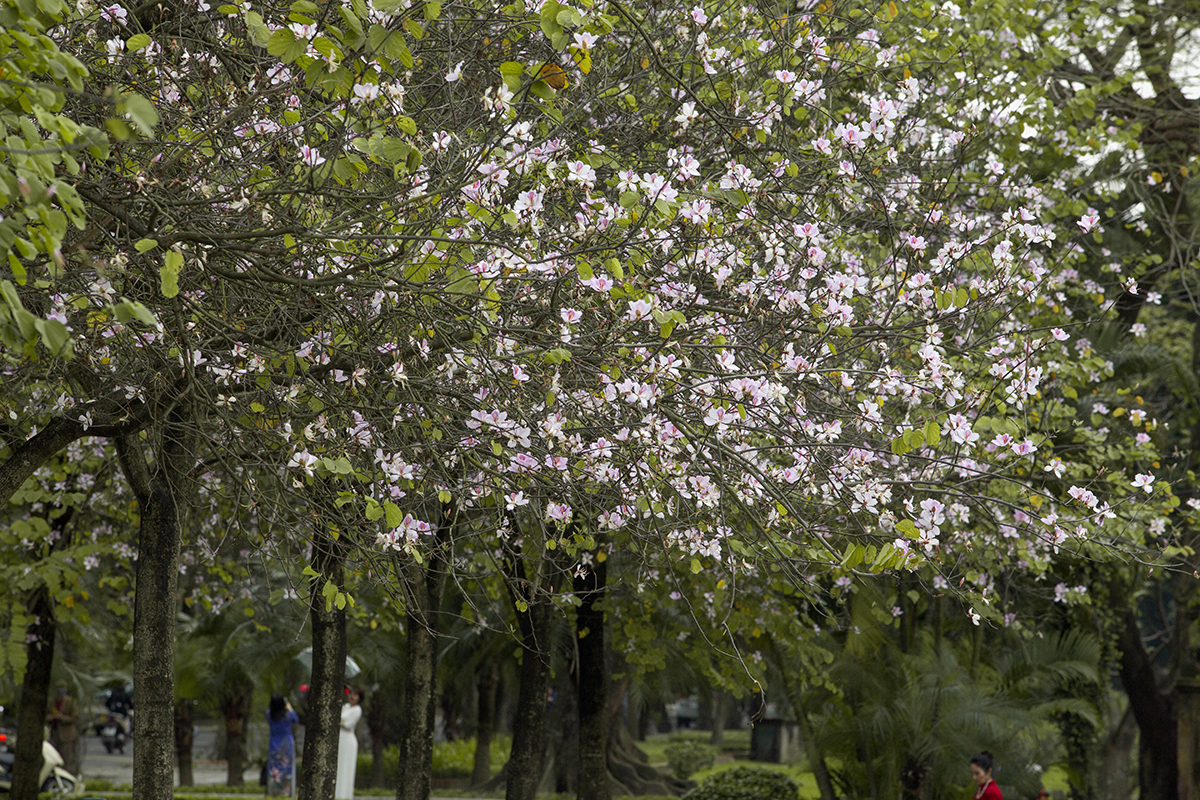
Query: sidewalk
<point>118,767</point>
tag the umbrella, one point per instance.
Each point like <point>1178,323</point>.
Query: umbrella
<point>305,658</point>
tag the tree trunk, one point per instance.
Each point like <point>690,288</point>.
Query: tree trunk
<point>423,591</point>
<point>235,708</point>
<point>156,576</point>
<point>560,768</point>
<point>184,732</point>
<point>31,454</point>
<point>704,707</point>
<point>377,714</point>
<point>485,722</point>
<point>1112,772</point>
<point>28,456</point>
<point>593,683</point>
<point>1154,713</point>
<point>529,725</point>
<point>816,757</point>
<point>721,718</point>
<point>323,718</point>
<point>35,692</point>
<point>416,738</point>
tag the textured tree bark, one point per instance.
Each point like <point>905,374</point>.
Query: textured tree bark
<point>235,708</point>
<point>157,575</point>
<point>28,456</point>
<point>35,692</point>
<point>721,718</point>
<point>184,732</point>
<point>593,683</point>
<point>416,738</point>
<point>1155,715</point>
<point>59,432</point>
<point>423,591</point>
<point>530,590</point>
<point>1113,767</point>
<point>318,767</point>
<point>529,723</point>
<point>485,726</point>
<point>704,707</point>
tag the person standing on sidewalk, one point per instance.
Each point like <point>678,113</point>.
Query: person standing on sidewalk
<point>281,748</point>
<point>348,746</point>
<point>64,729</point>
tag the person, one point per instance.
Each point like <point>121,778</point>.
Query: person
<point>348,746</point>
<point>119,704</point>
<point>981,771</point>
<point>64,729</point>
<point>281,747</point>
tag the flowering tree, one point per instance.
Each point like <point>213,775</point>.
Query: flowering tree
<point>715,286</point>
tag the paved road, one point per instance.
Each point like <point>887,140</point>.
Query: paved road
<point>118,767</point>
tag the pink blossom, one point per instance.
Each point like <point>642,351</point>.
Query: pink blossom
<point>1144,482</point>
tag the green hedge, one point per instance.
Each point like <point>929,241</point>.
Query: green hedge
<point>454,759</point>
<point>686,757</point>
<point>746,783</point>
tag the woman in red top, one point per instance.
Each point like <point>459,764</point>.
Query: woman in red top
<point>981,771</point>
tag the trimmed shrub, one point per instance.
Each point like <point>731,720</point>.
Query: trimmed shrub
<point>746,783</point>
<point>687,756</point>
<point>454,759</point>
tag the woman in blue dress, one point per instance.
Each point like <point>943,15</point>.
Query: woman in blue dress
<point>281,749</point>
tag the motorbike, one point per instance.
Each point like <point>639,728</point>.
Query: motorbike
<point>112,733</point>
<point>53,777</point>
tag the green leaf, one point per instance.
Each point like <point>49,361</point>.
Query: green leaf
<point>444,497</point>
<point>433,10</point>
<point>697,567</point>
<point>137,42</point>
<point>394,515</point>
<point>284,45</point>
<point>407,124</point>
<point>352,21</point>
<point>414,27</point>
<point>549,20</point>
<point>568,16</point>
<point>141,111</point>
<point>260,34</point>
<point>933,434</point>
<point>55,336</point>
<point>168,273</point>
<point>142,245</point>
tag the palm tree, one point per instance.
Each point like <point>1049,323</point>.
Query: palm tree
<point>908,724</point>
<point>222,658</point>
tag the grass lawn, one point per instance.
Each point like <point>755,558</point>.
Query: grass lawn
<point>655,746</point>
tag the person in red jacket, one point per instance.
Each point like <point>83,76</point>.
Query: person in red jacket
<point>981,771</point>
